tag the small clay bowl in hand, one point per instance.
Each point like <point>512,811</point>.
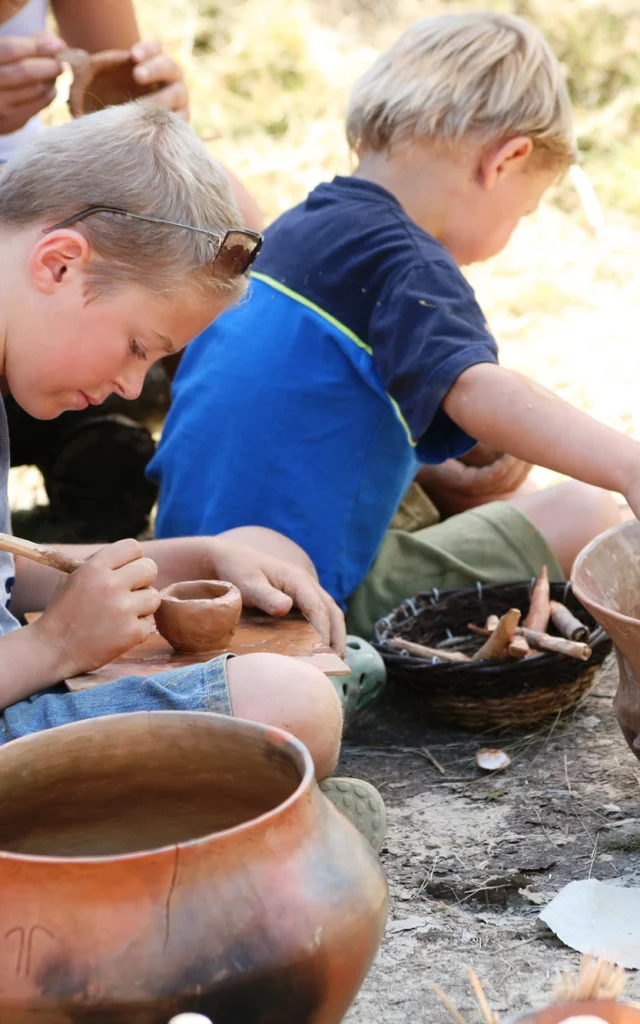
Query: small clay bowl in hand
<point>199,615</point>
<point>102,79</point>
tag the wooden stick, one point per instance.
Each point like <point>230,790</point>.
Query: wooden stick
<point>41,553</point>
<point>452,1009</point>
<point>539,611</point>
<point>480,630</point>
<point>567,624</point>
<point>556,644</point>
<point>420,651</point>
<point>500,638</point>
<point>489,1016</point>
<point>434,760</point>
<point>544,642</point>
<point>519,648</point>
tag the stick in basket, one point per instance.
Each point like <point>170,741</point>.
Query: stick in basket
<point>557,644</point>
<point>539,608</point>
<point>567,624</point>
<point>500,638</point>
<point>420,651</point>
<point>519,648</point>
<point>545,642</point>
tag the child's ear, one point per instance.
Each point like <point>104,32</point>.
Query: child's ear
<point>56,258</point>
<point>498,162</point>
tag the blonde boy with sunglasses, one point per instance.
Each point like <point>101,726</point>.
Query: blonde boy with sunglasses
<point>119,242</point>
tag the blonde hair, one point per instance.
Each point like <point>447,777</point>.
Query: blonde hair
<point>139,159</point>
<point>478,76</point>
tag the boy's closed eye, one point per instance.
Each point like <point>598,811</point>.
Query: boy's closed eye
<point>137,349</point>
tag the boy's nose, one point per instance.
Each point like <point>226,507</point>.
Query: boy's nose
<point>130,384</point>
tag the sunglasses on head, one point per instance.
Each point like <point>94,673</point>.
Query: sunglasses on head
<point>233,252</point>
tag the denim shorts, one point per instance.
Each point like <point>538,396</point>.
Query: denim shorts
<point>195,688</point>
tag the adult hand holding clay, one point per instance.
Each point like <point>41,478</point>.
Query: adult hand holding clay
<point>28,72</point>
<point>152,65</point>
<point>95,26</point>
<point>96,613</point>
<point>29,65</point>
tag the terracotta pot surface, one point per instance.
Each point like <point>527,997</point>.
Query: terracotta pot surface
<point>199,615</point>
<point>165,862</point>
<point>102,79</point>
<point>606,578</point>
<point>606,1011</point>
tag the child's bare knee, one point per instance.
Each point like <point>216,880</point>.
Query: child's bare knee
<point>292,695</point>
<point>594,506</point>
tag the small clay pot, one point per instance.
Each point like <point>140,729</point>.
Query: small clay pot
<point>199,615</point>
<point>102,79</point>
<point>604,1011</point>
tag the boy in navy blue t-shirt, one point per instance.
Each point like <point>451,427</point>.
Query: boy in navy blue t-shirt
<point>362,351</point>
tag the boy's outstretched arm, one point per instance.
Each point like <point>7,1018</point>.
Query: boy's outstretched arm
<point>514,414</point>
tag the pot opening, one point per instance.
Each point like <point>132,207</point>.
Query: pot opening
<point>197,590</point>
<point>134,783</point>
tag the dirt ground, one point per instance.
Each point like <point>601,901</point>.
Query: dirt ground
<point>470,857</point>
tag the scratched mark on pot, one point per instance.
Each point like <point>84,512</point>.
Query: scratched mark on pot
<point>25,946</point>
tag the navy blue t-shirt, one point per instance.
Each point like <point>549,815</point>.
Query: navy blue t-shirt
<point>308,407</point>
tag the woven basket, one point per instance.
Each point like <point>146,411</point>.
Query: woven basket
<point>483,695</point>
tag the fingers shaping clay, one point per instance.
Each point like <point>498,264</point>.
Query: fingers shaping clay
<point>102,79</point>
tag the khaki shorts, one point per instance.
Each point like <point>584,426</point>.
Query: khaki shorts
<point>489,543</point>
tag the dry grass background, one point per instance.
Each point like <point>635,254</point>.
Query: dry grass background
<point>269,80</point>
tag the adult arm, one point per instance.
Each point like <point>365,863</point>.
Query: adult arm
<point>28,72</point>
<point>97,24</point>
<point>111,24</point>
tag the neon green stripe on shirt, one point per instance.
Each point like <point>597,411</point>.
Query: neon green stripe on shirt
<point>342,328</point>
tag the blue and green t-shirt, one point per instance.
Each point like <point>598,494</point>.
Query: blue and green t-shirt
<point>309,406</point>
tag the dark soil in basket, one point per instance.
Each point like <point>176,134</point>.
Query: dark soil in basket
<point>469,856</point>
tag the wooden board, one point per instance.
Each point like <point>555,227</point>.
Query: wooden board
<point>292,635</point>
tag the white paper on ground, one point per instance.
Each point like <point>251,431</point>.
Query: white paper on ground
<point>596,918</point>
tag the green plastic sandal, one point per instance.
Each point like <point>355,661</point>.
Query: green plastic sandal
<point>364,684</point>
<point>361,803</point>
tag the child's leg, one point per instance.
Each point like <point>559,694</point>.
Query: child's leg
<point>291,695</point>
<point>266,688</point>
<point>569,516</point>
<point>504,540</point>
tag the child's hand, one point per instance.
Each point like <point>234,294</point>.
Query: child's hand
<point>275,586</point>
<point>101,610</point>
<point>455,487</point>
<point>28,72</point>
<point>152,65</point>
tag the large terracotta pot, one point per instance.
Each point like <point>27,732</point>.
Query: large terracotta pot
<point>606,578</point>
<point>162,862</point>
